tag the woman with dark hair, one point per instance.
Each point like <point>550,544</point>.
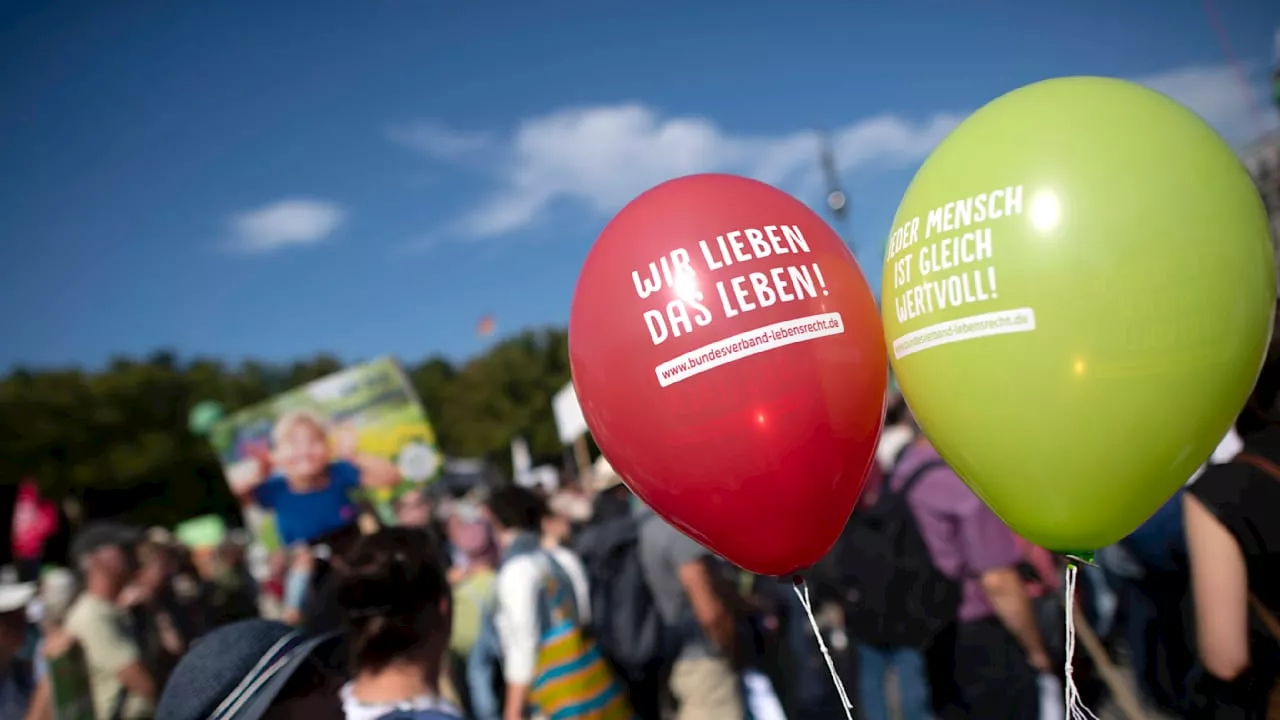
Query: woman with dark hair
<point>1233,543</point>
<point>396,605</point>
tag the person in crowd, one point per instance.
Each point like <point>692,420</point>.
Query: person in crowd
<point>878,658</point>
<point>58,590</point>
<point>473,582</point>
<point>121,686</point>
<point>17,676</point>
<point>571,504</point>
<point>613,499</point>
<point>397,609</point>
<point>271,595</point>
<point>297,582</point>
<point>415,509</point>
<point>158,624</point>
<point>541,610</point>
<point>232,591</point>
<point>998,650</point>
<point>190,603</point>
<point>897,434</point>
<point>557,526</point>
<point>256,670</point>
<point>698,608</point>
<point>1149,570</point>
<point>627,625</point>
<point>311,491</point>
<point>1233,544</point>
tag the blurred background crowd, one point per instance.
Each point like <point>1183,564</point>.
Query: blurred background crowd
<point>439,612</point>
<point>515,575</point>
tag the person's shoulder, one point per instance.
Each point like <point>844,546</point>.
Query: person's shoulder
<point>89,611</point>
<point>1237,492</point>
<point>519,574</point>
<point>275,485</point>
<point>942,482</point>
<point>76,613</point>
<point>1229,483</point>
<point>519,566</point>
<point>344,472</point>
<point>563,554</point>
<point>88,606</point>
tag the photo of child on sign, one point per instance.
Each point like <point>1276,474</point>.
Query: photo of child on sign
<point>317,458</point>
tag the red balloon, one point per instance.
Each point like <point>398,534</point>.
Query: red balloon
<point>730,363</point>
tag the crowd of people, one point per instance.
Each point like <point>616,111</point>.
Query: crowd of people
<point>577,601</point>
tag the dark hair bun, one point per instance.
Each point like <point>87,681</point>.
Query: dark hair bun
<point>390,587</point>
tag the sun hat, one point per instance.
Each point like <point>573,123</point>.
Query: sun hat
<point>237,671</point>
<point>606,477</point>
<point>14,595</point>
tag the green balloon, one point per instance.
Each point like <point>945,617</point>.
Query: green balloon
<point>1077,297</point>
<point>204,416</point>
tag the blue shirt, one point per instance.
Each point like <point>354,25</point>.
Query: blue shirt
<point>1160,544</point>
<point>15,691</point>
<point>302,517</point>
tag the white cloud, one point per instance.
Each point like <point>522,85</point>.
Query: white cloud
<point>434,139</point>
<point>293,222</point>
<point>602,156</point>
<point>1221,96</point>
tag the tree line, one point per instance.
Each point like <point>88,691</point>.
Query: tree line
<point>117,439</point>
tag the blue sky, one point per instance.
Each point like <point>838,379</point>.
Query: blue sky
<point>272,179</point>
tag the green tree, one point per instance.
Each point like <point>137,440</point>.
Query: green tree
<point>117,439</point>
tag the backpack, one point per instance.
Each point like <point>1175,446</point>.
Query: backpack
<point>624,615</point>
<point>572,678</point>
<point>897,597</point>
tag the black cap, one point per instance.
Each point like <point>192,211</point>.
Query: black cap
<point>236,671</point>
<point>103,533</point>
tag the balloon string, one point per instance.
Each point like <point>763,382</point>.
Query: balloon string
<point>802,592</point>
<point>1076,709</point>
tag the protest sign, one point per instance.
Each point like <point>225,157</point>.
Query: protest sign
<point>309,461</point>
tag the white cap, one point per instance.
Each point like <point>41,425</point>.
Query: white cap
<point>15,596</point>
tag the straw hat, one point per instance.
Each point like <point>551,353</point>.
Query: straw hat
<point>606,477</point>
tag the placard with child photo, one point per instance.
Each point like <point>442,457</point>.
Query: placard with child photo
<point>310,464</point>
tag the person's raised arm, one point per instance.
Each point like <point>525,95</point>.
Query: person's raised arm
<point>375,470</point>
<point>1220,588</point>
<point>245,479</point>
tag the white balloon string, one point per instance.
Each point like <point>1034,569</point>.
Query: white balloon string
<point>802,592</point>
<point>1076,709</point>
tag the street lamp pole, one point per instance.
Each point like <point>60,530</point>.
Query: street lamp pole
<point>837,200</point>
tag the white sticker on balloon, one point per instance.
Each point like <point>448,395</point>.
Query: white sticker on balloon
<point>945,259</point>
<point>744,345</point>
<point>1001,322</point>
